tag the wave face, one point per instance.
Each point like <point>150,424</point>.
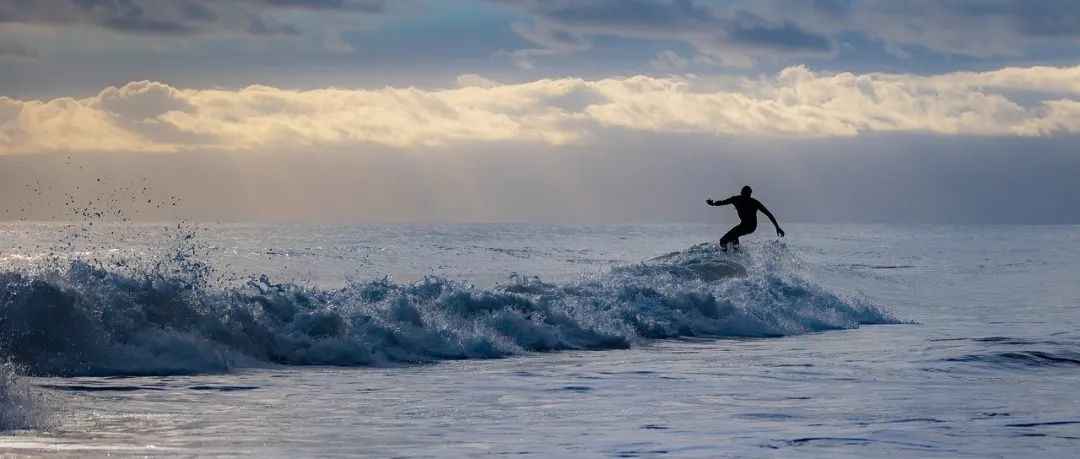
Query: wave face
<point>85,319</point>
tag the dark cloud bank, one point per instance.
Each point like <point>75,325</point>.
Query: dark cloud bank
<point>179,17</point>
<point>769,29</point>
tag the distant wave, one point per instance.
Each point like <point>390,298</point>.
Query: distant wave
<point>81,318</point>
<point>1023,358</point>
<point>1018,353</point>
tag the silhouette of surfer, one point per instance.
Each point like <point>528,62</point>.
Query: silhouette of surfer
<point>747,208</point>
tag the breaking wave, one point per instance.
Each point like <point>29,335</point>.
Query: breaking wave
<point>83,318</point>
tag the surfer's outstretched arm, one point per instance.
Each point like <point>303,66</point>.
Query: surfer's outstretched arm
<point>718,203</point>
<point>779,232</point>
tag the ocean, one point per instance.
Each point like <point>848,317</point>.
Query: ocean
<point>539,340</point>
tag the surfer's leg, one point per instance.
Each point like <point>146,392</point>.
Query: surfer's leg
<point>734,234</point>
<point>731,236</point>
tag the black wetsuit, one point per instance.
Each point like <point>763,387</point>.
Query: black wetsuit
<point>747,208</point>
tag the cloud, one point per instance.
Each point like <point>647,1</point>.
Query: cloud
<point>728,35</point>
<point>976,28</point>
<point>15,49</point>
<point>669,61</point>
<point>795,103</point>
<point>740,32</point>
<point>176,17</point>
<point>551,42</point>
<point>473,80</point>
<point>367,6</point>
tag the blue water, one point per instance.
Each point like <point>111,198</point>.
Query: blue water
<point>477,340</point>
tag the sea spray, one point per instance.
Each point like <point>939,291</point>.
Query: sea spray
<point>21,407</point>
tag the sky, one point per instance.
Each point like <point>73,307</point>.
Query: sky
<point>560,111</point>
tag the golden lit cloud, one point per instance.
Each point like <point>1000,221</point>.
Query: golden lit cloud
<point>155,117</point>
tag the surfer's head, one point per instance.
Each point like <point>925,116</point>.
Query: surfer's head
<point>746,190</point>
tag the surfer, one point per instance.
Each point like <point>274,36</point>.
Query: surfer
<point>747,208</point>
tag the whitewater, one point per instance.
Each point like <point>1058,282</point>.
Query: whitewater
<point>548,340</point>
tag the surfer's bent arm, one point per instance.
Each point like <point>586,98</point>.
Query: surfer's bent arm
<point>718,203</point>
<point>779,232</point>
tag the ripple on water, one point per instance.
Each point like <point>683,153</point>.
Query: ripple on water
<point>93,388</point>
<point>850,441</point>
<point>574,388</point>
<point>1021,359</point>
<point>654,427</point>
<point>223,388</point>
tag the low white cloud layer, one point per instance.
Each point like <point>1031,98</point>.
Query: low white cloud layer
<point>796,102</point>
